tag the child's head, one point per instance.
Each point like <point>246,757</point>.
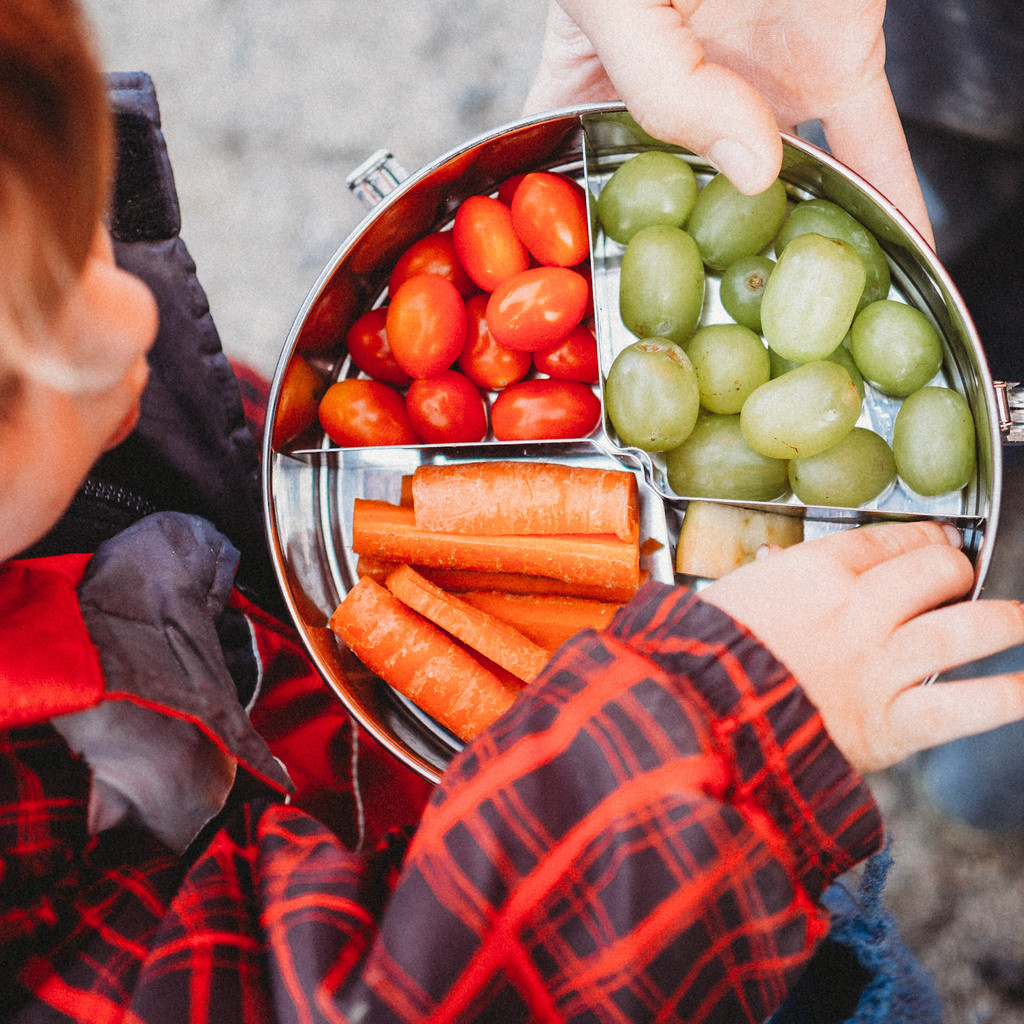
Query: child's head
<point>74,329</point>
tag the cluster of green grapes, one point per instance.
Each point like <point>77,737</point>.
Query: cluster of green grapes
<point>770,402</point>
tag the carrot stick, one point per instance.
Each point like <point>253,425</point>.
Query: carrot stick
<point>460,580</point>
<point>498,498</point>
<point>548,620</point>
<point>376,569</point>
<point>494,638</point>
<point>419,660</point>
<point>406,497</point>
<point>390,532</point>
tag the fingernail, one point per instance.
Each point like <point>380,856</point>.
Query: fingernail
<point>739,164</point>
<point>953,534</point>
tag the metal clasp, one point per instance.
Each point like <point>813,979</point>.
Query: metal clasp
<point>1010,403</point>
<point>379,174</point>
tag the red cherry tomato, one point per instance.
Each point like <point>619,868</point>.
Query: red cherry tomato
<point>296,402</point>
<point>446,409</point>
<point>432,254</point>
<point>357,412</point>
<point>549,214</point>
<point>489,365</point>
<point>507,189</point>
<point>544,409</point>
<point>426,325</point>
<point>486,243</point>
<point>367,342</point>
<point>537,307</point>
<point>572,358</point>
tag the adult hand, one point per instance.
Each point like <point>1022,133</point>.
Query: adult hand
<point>721,77</point>
<point>861,618</point>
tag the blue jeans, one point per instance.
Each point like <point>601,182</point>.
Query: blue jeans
<point>980,779</point>
<point>863,973</point>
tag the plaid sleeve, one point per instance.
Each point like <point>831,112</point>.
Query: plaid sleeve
<point>644,836</point>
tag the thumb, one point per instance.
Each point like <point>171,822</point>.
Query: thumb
<point>865,133</point>
<point>659,70</point>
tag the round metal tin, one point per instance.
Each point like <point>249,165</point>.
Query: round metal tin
<point>309,485</point>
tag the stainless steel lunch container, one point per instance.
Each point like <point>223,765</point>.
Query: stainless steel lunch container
<point>308,487</point>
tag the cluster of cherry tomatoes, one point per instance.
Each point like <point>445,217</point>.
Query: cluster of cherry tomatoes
<point>486,326</point>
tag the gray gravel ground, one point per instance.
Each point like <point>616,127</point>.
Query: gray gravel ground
<point>266,108</point>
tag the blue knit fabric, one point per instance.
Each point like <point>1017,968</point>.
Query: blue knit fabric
<point>863,973</point>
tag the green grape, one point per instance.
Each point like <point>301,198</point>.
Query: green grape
<point>855,470</point>
<point>651,395</point>
<point>730,361</point>
<point>653,187</point>
<point>840,354</point>
<point>895,346</point>
<point>726,224</point>
<point>742,287</point>
<point>661,286</point>
<point>801,413</point>
<point>832,221</point>
<point>715,461</point>
<point>933,441</point>
<point>811,297</point>
<point>778,365</point>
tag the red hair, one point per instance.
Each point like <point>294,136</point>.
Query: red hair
<point>55,127</point>
<point>56,155</point>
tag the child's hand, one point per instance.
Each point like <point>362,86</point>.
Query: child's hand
<point>855,617</point>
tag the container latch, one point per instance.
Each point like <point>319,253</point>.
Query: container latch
<point>1010,404</point>
<point>379,174</point>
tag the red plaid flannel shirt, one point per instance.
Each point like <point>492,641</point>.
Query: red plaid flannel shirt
<point>643,837</point>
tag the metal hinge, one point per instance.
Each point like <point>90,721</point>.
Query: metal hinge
<point>377,176</point>
<point>1010,403</point>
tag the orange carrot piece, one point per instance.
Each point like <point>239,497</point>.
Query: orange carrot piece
<point>376,569</point>
<point>461,580</point>
<point>390,532</point>
<point>491,637</point>
<point>547,619</point>
<point>498,498</point>
<point>650,547</point>
<point>406,495</point>
<point>420,661</point>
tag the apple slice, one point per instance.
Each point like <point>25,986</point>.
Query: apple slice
<point>717,538</point>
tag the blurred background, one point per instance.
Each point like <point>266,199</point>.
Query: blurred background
<point>266,109</point>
